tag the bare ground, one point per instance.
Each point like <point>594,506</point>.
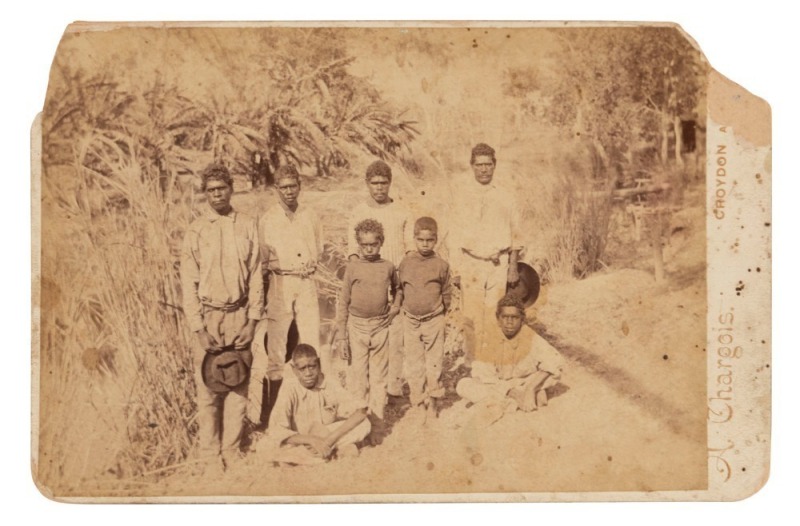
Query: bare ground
<point>627,416</point>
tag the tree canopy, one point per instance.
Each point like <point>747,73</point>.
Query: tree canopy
<point>291,101</point>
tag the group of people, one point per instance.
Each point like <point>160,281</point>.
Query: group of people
<point>390,321</point>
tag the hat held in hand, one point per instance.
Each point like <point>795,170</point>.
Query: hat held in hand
<point>226,370</point>
<point>527,290</point>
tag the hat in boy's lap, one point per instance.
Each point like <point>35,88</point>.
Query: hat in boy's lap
<point>226,370</point>
<point>527,290</point>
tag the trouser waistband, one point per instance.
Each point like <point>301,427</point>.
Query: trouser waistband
<point>425,317</point>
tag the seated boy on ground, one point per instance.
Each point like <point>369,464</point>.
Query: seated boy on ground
<point>513,368</point>
<point>314,418</point>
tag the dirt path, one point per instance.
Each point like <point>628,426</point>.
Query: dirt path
<point>603,430</point>
<point>627,416</point>
<point>626,386</point>
<point>590,436</point>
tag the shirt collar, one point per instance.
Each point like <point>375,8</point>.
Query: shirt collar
<point>523,339</point>
<point>487,187</point>
<point>419,256</point>
<point>287,211</point>
<point>513,343</point>
<point>212,214</point>
<point>321,384</point>
<point>372,204</point>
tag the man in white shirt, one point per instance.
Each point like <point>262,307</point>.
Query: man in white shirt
<point>290,237</point>
<point>484,245</point>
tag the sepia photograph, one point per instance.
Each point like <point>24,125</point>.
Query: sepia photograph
<point>528,202</point>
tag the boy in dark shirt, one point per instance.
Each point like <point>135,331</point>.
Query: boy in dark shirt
<point>364,314</point>
<point>425,282</point>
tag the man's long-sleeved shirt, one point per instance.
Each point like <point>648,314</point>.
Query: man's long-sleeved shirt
<point>484,219</point>
<point>502,359</point>
<point>298,408</point>
<point>425,281</point>
<point>366,290</point>
<point>397,225</point>
<point>289,240</point>
<point>221,266</point>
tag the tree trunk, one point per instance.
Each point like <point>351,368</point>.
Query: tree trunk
<point>600,160</point>
<point>579,116</point>
<point>676,125</point>
<point>658,259</point>
<point>656,228</point>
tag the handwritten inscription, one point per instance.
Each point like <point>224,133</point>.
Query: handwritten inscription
<point>721,465</point>
<point>727,352</point>
<point>720,401</point>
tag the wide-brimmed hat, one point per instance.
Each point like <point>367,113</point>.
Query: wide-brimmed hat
<point>227,369</point>
<point>527,290</point>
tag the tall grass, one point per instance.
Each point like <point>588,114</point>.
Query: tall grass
<point>119,396</point>
<point>584,215</point>
<point>565,203</point>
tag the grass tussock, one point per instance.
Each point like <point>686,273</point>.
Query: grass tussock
<point>566,205</point>
<point>117,326</point>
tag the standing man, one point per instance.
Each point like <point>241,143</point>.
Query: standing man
<point>484,245</point>
<point>291,245</point>
<point>398,238</point>
<point>223,297</point>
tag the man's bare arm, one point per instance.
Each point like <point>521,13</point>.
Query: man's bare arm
<point>538,379</point>
<point>318,444</point>
<point>324,446</point>
<point>351,423</point>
